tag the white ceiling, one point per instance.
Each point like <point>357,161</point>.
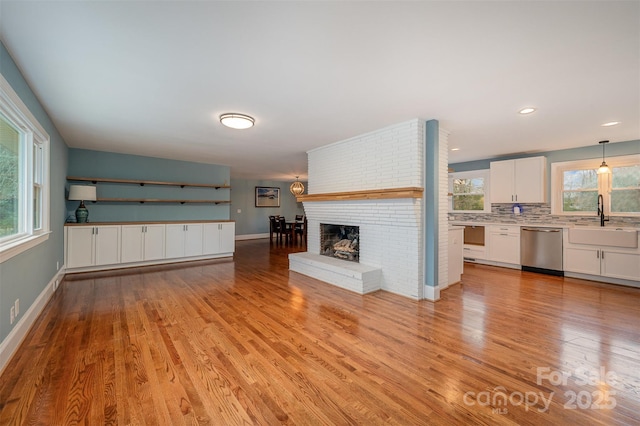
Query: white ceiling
<point>151,77</point>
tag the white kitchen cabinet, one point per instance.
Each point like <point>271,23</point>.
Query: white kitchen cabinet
<point>456,240</point>
<point>522,180</point>
<point>92,246</point>
<point>504,243</point>
<point>142,242</point>
<point>601,260</point>
<point>219,238</point>
<point>183,240</point>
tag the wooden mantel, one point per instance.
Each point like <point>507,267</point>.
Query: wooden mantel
<point>370,194</point>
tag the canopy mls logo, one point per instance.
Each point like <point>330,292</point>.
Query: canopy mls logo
<point>499,399</point>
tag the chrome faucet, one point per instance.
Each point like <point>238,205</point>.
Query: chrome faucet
<point>601,210</point>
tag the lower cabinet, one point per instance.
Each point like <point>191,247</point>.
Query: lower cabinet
<point>108,246</point>
<point>504,243</point>
<point>219,238</point>
<point>142,242</point>
<point>92,246</point>
<point>455,254</point>
<point>603,261</point>
<point>183,240</point>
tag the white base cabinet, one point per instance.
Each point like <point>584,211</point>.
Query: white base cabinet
<point>142,242</point>
<point>92,246</point>
<point>113,246</point>
<point>183,240</point>
<point>602,261</point>
<point>219,238</point>
<point>504,241</point>
<point>456,241</point>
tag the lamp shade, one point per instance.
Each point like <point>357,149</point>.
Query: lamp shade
<point>82,193</point>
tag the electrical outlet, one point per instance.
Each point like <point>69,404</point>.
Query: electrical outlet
<point>12,315</point>
<point>17,306</point>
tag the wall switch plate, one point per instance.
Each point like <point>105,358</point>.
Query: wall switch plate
<point>239,210</point>
<point>57,265</point>
<point>17,306</point>
<point>12,316</point>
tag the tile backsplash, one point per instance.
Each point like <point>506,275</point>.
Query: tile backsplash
<point>539,213</point>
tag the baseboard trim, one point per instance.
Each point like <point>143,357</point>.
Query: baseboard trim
<point>13,341</point>
<point>432,293</point>
<point>251,236</point>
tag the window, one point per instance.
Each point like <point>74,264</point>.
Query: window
<point>24,183</point>
<point>578,185</point>
<point>468,191</point>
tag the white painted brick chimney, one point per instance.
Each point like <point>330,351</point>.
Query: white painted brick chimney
<point>391,230</point>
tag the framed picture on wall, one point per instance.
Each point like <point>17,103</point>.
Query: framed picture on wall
<point>267,196</point>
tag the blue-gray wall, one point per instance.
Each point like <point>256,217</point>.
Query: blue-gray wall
<point>584,153</point>
<point>87,163</point>
<point>255,220</point>
<point>26,275</point>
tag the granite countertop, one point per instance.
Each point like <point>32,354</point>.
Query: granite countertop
<point>540,225</point>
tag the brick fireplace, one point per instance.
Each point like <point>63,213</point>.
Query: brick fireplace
<point>373,182</point>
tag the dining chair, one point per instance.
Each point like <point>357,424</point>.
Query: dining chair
<point>274,227</point>
<point>284,228</point>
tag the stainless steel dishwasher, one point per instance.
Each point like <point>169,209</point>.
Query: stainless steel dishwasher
<point>541,250</point>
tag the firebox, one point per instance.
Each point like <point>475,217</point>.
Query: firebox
<point>340,241</point>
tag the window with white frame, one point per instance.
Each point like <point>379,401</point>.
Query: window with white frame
<point>469,191</point>
<point>24,182</point>
<point>577,185</point>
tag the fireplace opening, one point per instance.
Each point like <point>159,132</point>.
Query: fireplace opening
<point>340,241</point>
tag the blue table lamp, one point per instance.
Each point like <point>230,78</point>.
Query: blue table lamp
<point>82,193</point>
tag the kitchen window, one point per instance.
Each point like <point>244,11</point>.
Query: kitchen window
<point>24,177</point>
<point>577,186</point>
<point>468,191</point>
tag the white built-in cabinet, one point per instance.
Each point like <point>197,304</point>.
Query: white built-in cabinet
<point>522,180</point>
<point>183,240</point>
<point>504,241</point>
<point>142,242</point>
<point>606,261</point>
<point>92,246</point>
<point>455,254</point>
<point>218,238</point>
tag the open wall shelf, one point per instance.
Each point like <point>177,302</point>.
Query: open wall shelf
<point>145,182</point>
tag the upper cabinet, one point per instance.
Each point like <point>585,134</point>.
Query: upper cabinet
<point>522,180</point>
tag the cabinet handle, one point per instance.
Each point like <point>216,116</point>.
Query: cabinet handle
<point>602,255</point>
<point>598,254</point>
<point>511,197</point>
<point>516,197</point>
<point>97,230</point>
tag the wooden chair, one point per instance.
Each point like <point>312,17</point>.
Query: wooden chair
<point>301,230</point>
<point>274,227</point>
<point>284,229</point>
<point>299,218</point>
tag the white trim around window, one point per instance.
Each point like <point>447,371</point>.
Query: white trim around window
<point>34,181</point>
<point>472,174</point>
<point>603,183</point>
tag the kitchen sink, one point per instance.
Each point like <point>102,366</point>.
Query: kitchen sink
<point>604,237</point>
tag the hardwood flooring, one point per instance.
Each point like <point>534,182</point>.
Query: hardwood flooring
<point>248,342</point>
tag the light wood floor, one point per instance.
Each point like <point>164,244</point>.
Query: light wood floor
<point>248,342</point>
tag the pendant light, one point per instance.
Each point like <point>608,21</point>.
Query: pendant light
<point>604,168</point>
<point>296,188</point>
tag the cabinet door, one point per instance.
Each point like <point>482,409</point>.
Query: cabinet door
<point>502,181</point>
<point>620,265</point>
<point>174,241</point>
<point>227,237</point>
<point>107,245</point>
<point>211,238</point>
<point>79,246</point>
<point>582,260</point>
<point>153,242</point>
<point>132,243</point>
<point>530,174</point>
<point>193,239</point>
<point>505,248</point>
<point>455,255</point>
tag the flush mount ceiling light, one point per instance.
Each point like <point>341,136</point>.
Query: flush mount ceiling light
<point>296,188</point>
<point>237,121</point>
<point>610,123</point>
<point>455,149</point>
<point>527,110</point>
<point>604,169</point>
